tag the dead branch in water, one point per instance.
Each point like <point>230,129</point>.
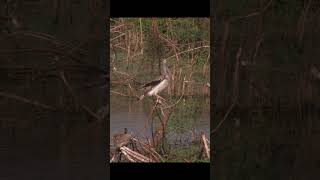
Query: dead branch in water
<point>135,150</point>
<point>204,141</point>
<point>149,149</point>
<point>134,156</point>
<point>164,117</point>
<point>140,151</point>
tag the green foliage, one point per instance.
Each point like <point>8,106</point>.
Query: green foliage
<point>162,38</point>
<point>185,116</point>
<point>180,154</point>
<point>189,31</point>
<point>181,29</point>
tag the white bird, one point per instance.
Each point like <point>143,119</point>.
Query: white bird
<point>156,86</point>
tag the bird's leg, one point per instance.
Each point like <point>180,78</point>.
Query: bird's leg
<point>158,96</point>
<point>162,112</point>
<point>158,99</point>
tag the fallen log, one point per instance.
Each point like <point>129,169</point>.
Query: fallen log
<point>128,156</point>
<point>148,149</point>
<point>134,156</point>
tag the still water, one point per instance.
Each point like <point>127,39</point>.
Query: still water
<point>133,115</point>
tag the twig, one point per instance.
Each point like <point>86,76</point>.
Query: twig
<point>130,77</point>
<point>63,78</point>
<point>127,156</point>
<point>183,88</point>
<point>186,51</point>
<point>50,51</point>
<point>174,47</point>
<point>149,149</point>
<point>112,29</point>
<point>253,13</point>
<point>224,118</point>
<point>147,123</point>
<point>44,36</point>
<point>115,92</point>
<point>118,36</point>
<point>235,90</point>
<point>25,100</point>
<point>134,155</point>
<point>132,91</point>
<point>114,158</point>
<point>205,145</point>
<point>301,21</point>
<point>141,36</point>
<point>257,47</point>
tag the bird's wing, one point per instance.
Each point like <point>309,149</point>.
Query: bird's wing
<point>152,83</point>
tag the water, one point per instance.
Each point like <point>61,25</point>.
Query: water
<point>133,115</point>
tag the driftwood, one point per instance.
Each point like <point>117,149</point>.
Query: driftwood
<point>129,148</point>
<point>134,156</point>
<point>148,149</point>
<point>139,151</point>
<point>114,157</point>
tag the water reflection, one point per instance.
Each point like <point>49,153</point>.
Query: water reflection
<point>128,113</point>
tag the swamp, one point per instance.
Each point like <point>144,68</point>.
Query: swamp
<point>172,127</point>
